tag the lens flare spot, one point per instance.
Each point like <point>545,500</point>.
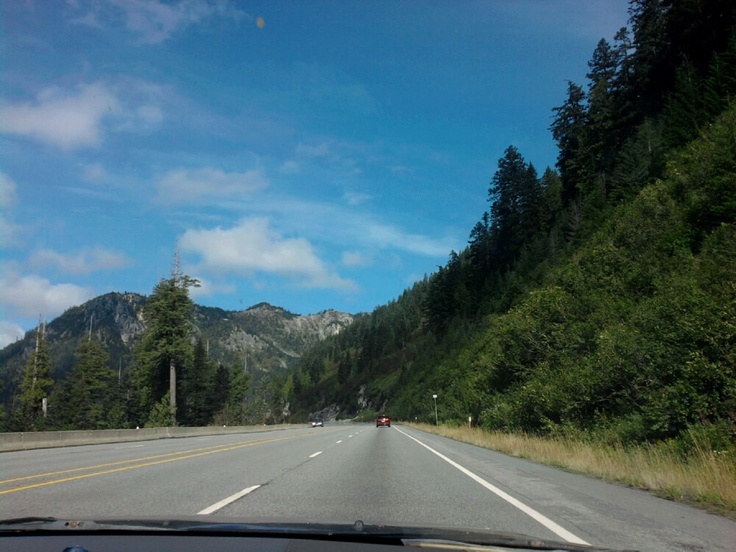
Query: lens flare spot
<point>260,22</point>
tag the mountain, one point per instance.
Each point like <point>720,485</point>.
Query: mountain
<point>272,338</point>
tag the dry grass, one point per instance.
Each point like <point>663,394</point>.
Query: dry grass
<point>707,479</point>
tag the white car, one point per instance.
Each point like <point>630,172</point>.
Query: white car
<point>318,423</point>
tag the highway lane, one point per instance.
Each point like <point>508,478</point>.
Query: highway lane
<point>345,472</point>
<point>151,478</point>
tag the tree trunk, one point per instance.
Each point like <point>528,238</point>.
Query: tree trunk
<point>172,391</point>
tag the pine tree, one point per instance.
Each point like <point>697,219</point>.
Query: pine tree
<point>166,344</point>
<point>3,414</point>
<point>231,387</point>
<point>600,139</point>
<point>91,385</point>
<point>197,387</point>
<point>36,385</point>
<point>480,256</point>
<point>515,197</point>
<point>567,129</point>
<point>551,206</point>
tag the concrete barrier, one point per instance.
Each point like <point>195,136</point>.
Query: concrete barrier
<point>52,439</point>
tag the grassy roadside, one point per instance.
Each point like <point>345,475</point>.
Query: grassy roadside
<point>707,479</point>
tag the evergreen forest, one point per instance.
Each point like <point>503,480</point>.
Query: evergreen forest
<point>596,298</point>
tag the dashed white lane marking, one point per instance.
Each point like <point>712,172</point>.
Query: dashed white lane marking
<point>315,454</point>
<point>338,442</point>
<point>227,501</point>
<point>531,512</point>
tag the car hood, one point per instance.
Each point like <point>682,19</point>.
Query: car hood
<point>429,537</point>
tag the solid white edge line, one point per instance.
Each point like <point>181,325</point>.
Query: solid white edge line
<point>531,512</point>
<point>227,501</point>
<point>315,454</point>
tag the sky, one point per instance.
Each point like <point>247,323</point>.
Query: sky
<point>310,154</point>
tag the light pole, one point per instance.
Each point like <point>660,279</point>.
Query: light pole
<point>436,422</point>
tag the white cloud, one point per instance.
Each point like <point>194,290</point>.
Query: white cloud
<point>347,227</point>
<point>252,247</point>
<point>84,261</point>
<point>93,173</point>
<point>208,288</point>
<point>592,18</point>
<point>312,151</point>
<point>187,185</point>
<point>355,198</point>
<point>10,234</point>
<point>155,21</point>
<point>323,87</point>
<point>345,156</point>
<point>389,236</point>
<point>348,158</point>
<point>141,104</point>
<point>289,167</point>
<point>355,258</point>
<point>10,332</point>
<point>151,114</point>
<point>8,197</point>
<point>68,121</point>
<point>78,117</point>
<point>8,191</point>
<point>33,295</point>
<point>403,170</point>
<point>152,20</point>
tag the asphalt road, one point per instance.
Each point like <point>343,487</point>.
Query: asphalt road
<point>346,472</point>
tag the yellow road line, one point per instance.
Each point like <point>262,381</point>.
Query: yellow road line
<point>135,466</point>
<point>70,470</point>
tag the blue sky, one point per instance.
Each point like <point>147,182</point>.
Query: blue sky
<point>314,155</point>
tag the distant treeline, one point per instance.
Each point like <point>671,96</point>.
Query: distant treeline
<point>92,395</point>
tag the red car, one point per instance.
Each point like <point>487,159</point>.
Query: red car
<point>383,420</point>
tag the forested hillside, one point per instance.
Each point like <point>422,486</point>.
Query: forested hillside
<point>597,297</point>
